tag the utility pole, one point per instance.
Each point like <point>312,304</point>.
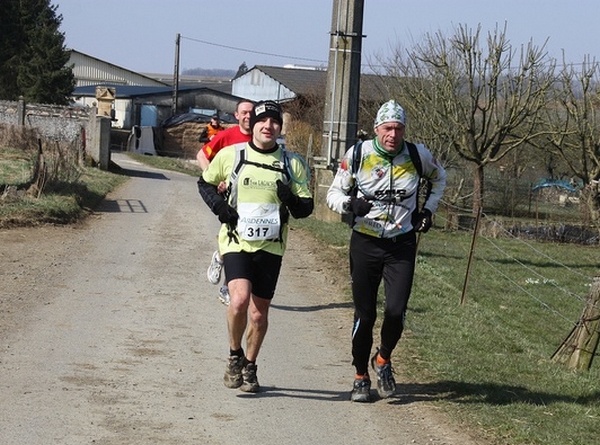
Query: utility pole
<point>176,76</point>
<point>340,123</point>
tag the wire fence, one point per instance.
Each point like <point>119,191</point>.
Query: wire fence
<point>556,287</point>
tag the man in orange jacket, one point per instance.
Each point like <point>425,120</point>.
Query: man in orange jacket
<point>211,130</point>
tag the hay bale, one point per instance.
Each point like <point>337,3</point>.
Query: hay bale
<point>182,141</point>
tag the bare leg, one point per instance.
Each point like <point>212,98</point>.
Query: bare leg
<point>257,329</point>
<point>246,311</point>
<point>237,311</point>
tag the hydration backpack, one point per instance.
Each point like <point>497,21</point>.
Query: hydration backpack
<point>241,160</point>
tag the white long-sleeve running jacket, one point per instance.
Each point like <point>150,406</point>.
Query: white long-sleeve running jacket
<point>390,184</point>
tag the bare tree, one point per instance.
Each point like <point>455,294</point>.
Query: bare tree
<point>573,127</point>
<point>479,102</point>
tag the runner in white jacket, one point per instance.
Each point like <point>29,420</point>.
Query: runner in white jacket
<point>380,190</point>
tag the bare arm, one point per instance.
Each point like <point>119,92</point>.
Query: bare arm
<point>202,160</point>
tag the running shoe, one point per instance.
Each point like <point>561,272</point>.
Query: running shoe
<point>224,295</point>
<point>233,372</point>
<point>361,390</point>
<point>386,385</point>
<point>250,381</point>
<point>214,270</point>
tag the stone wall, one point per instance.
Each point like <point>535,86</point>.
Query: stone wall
<point>63,124</point>
<point>52,121</point>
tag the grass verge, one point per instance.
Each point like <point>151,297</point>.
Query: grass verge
<point>61,202</point>
<point>64,202</point>
<point>174,164</point>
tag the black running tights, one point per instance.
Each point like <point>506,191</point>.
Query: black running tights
<point>372,259</point>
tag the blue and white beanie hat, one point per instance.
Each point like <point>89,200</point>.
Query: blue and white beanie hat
<point>390,112</point>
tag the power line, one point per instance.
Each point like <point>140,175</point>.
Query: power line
<point>234,48</point>
<point>306,59</point>
<point>252,51</point>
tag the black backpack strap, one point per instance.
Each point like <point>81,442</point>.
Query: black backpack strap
<point>415,158</point>
<point>356,161</point>
<point>356,157</point>
<point>240,160</point>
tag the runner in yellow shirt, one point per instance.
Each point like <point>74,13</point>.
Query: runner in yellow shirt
<point>266,185</point>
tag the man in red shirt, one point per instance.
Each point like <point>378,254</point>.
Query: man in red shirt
<point>234,135</point>
<point>231,136</point>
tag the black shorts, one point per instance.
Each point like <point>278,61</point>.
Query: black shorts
<point>260,268</point>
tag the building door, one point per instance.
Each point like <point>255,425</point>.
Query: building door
<point>149,116</point>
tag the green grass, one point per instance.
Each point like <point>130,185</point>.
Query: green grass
<point>487,361</point>
<point>64,202</point>
<point>15,166</point>
<point>61,203</point>
<point>166,163</point>
<point>493,353</point>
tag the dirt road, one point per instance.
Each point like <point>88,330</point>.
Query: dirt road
<point>110,334</point>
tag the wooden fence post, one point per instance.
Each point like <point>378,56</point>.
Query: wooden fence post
<point>580,347</point>
<point>463,297</point>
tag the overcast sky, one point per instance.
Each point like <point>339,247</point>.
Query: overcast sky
<point>140,34</point>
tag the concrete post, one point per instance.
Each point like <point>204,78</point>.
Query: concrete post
<point>98,139</point>
<point>340,123</point>
<point>104,142</point>
<point>21,111</point>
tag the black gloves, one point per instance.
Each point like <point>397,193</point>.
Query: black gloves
<point>284,193</point>
<point>228,215</point>
<point>360,206</point>
<point>298,207</point>
<point>422,222</point>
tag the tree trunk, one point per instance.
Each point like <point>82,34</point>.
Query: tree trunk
<point>38,181</point>
<point>592,197</point>
<point>478,189</point>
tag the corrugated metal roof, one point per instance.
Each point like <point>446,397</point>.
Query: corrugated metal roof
<point>306,81</point>
<point>89,70</point>
<point>129,91</point>
<point>373,88</point>
<point>222,85</point>
<point>300,81</point>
